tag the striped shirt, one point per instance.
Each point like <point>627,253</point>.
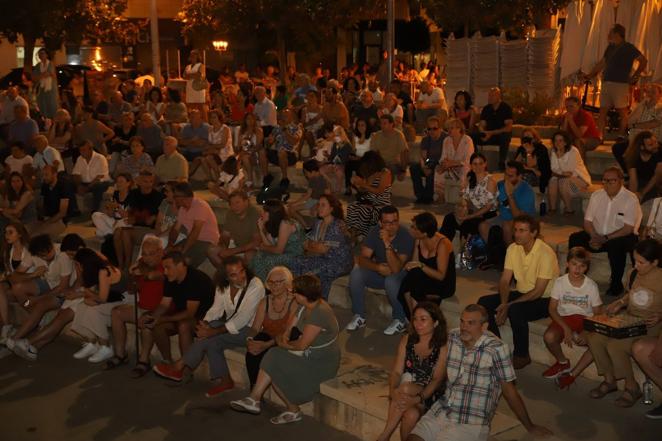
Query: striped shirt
<point>474,378</point>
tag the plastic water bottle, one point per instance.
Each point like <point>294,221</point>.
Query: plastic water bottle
<point>648,392</point>
<point>543,206</point>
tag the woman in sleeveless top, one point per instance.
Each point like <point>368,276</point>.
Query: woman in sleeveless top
<point>270,320</point>
<point>18,204</point>
<point>104,287</point>
<point>282,239</point>
<point>250,142</point>
<point>195,72</point>
<point>45,80</point>
<point>464,110</point>
<point>312,119</point>
<point>374,184</point>
<point>418,370</point>
<point>477,203</point>
<point>431,272</point>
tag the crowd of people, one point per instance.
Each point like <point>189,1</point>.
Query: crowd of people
<point>138,152</point>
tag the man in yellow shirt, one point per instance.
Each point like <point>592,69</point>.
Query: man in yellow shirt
<point>533,265</point>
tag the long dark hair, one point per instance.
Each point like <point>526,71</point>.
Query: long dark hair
<point>368,128</point>
<point>23,237</point>
<point>91,263</point>
<point>371,163</point>
<point>12,195</point>
<point>277,214</point>
<point>222,280</point>
<point>566,140</point>
<point>634,148</point>
<point>473,179</point>
<point>467,99</point>
<point>440,333</point>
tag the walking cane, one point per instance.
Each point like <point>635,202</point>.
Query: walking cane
<point>135,317</point>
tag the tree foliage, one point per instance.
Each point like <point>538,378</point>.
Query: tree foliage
<point>489,15</point>
<point>57,21</point>
<point>285,24</point>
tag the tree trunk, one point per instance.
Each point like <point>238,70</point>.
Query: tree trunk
<point>282,55</point>
<point>28,49</point>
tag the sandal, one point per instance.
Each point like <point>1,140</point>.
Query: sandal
<point>116,361</point>
<point>287,417</point>
<point>246,405</point>
<point>603,389</point>
<point>629,398</point>
<point>140,370</point>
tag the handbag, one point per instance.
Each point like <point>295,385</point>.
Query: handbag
<point>200,84</point>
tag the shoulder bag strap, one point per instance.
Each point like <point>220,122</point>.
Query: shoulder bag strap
<point>241,299</point>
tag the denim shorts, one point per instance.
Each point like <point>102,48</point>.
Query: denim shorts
<point>42,285</point>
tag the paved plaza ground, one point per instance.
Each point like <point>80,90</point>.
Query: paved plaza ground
<point>60,398</point>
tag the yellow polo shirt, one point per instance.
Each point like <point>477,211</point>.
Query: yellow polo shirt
<point>539,263</point>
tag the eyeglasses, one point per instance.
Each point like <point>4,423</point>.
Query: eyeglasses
<point>276,282</point>
<point>433,129</point>
<point>395,222</point>
<point>611,181</point>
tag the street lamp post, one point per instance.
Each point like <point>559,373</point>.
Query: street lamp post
<point>390,37</point>
<point>154,34</point>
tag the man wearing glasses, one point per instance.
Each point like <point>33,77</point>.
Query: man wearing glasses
<point>611,223</point>
<point>422,173</point>
<point>384,252</point>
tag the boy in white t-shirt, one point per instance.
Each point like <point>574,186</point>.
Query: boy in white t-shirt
<point>18,159</point>
<point>574,297</point>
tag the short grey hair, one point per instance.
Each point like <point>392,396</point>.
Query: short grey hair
<point>474,307</point>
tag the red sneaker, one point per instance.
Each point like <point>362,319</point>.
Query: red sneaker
<point>557,369</point>
<point>565,381</point>
<point>211,393</point>
<point>168,371</point>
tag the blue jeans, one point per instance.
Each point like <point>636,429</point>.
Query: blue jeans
<point>361,278</point>
<point>421,191</point>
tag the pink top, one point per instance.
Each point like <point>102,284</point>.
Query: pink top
<point>200,211</point>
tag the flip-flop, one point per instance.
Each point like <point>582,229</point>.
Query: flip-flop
<point>140,370</point>
<point>116,361</point>
<point>629,398</point>
<point>286,418</point>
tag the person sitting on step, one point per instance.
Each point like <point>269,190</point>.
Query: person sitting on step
<point>380,264</point>
<point>533,265</point>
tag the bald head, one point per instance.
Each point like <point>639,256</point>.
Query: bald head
<point>169,145</point>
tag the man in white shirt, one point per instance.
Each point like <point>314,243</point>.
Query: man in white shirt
<point>611,224</point>
<point>430,102</point>
<point>46,155</point>
<point>91,173</point>
<point>265,111</point>
<point>225,326</point>
<point>8,101</point>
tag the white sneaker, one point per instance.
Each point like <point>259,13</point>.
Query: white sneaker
<point>396,327</point>
<point>86,351</point>
<point>356,323</point>
<point>5,333</point>
<point>104,353</point>
<point>25,350</point>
